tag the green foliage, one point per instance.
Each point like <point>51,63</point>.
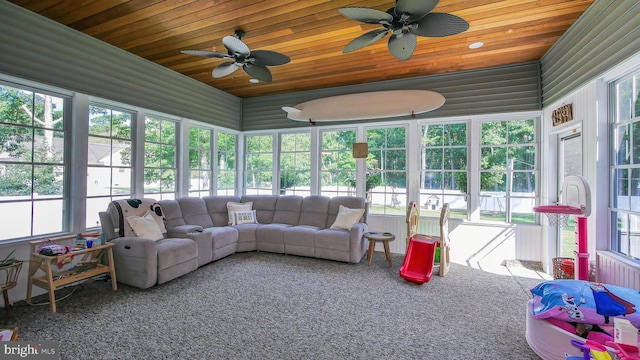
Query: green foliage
<point>24,121</point>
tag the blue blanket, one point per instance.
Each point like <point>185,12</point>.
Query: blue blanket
<point>585,302</point>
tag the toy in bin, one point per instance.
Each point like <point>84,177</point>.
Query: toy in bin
<point>590,350</point>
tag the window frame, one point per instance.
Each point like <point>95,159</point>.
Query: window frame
<point>392,195</point>
<point>624,221</point>
<point>111,196</point>
<point>160,194</point>
<point>65,220</point>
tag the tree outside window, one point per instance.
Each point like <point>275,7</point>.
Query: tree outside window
<point>199,162</point>
<point>160,158</point>
<point>443,175</point>
<point>625,166</point>
<point>32,169</point>
<point>386,184</point>
<point>226,167</point>
<point>259,165</point>
<point>109,167</point>
<point>338,167</point>
<point>508,171</point>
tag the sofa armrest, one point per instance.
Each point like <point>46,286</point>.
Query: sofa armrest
<point>181,230</point>
<point>357,243</point>
<point>108,229</point>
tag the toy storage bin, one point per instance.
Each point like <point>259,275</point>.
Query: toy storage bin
<point>563,268</point>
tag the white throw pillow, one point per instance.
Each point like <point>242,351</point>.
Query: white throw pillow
<point>346,218</point>
<point>145,226</point>
<point>234,206</point>
<point>244,217</point>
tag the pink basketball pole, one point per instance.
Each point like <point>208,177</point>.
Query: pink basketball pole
<point>583,249</point>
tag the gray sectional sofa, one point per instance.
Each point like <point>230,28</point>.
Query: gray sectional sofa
<point>197,231</point>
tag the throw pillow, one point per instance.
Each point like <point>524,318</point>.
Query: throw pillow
<point>244,217</point>
<point>234,206</point>
<point>346,218</point>
<point>145,226</point>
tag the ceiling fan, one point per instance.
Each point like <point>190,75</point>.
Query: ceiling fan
<point>253,63</point>
<point>406,20</point>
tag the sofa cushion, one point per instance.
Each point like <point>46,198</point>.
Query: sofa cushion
<point>176,257</point>
<point>273,233</point>
<point>223,235</point>
<point>194,211</point>
<point>288,210</point>
<point>145,226</point>
<point>346,218</point>
<point>335,239</point>
<point>300,235</point>
<point>314,211</point>
<point>172,213</point>
<point>217,208</point>
<point>264,205</point>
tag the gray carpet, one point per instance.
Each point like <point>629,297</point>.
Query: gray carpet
<point>272,306</point>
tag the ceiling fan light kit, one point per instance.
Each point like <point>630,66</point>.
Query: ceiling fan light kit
<point>254,63</point>
<point>405,21</point>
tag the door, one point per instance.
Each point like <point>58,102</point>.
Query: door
<point>569,163</point>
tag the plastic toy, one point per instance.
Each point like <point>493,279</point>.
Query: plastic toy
<point>418,262</point>
<point>590,350</point>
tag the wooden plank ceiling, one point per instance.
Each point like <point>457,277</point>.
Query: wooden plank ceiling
<point>312,33</point>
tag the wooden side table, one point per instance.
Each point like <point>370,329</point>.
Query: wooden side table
<point>374,237</point>
<point>84,271</point>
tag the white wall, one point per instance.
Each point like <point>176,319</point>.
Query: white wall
<point>590,115</point>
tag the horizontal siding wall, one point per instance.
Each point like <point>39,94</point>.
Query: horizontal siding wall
<point>500,89</point>
<point>38,49</point>
<point>607,33</point>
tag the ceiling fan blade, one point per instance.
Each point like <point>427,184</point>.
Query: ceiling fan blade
<point>224,69</point>
<point>235,45</point>
<point>364,40</point>
<point>205,53</point>
<point>440,24</point>
<point>402,46</point>
<point>270,58</point>
<point>366,15</point>
<point>259,72</point>
<point>415,9</point>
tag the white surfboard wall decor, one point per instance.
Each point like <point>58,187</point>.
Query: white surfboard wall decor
<point>368,105</point>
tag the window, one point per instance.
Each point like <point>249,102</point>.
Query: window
<point>109,154</point>
<point>226,170</point>
<point>32,167</point>
<point>199,162</point>
<point>508,171</point>
<point>443,169</point>
<point>386,184</point>
<point>295,164</point>
<point>159,158</point>
<point>625,166</point>
<point>259,166</point>
<point>338,167</point>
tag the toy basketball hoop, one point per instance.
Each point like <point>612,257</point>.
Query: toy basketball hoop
<point>558,215</point>
<point>577,202</point>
